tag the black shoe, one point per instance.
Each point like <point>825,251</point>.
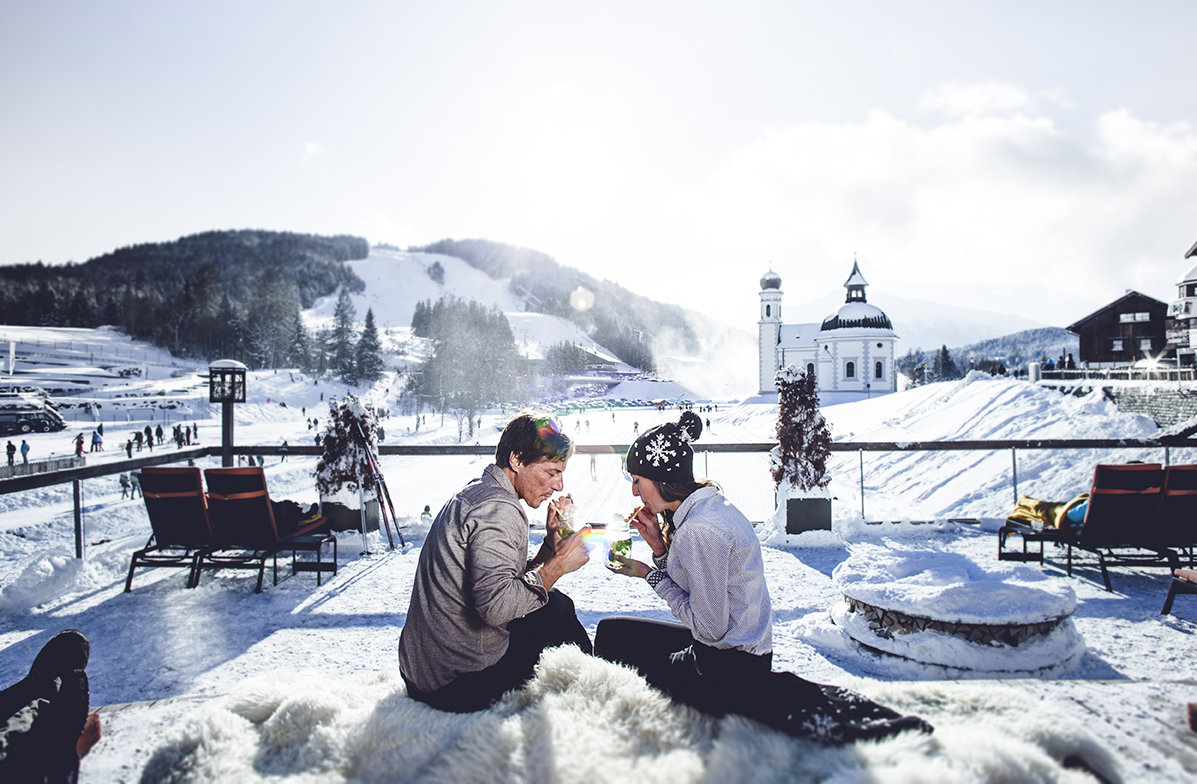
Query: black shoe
<point>65,652</point>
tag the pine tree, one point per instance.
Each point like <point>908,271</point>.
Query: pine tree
<point>300,354</point>
<point>943,368</point>
<point>341,345</point>
<point>804,441</point>
<point>370,365</point>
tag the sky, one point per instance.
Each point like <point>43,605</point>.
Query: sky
<point>1037,159</point>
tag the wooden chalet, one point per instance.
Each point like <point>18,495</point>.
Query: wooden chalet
<point>1127,330</point>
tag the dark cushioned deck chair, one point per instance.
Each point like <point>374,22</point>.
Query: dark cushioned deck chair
<point>244,526</point>
<point>1121,522</point>
<point>182,532</point>
<point>1184,581</point>
<point>1176,521</point>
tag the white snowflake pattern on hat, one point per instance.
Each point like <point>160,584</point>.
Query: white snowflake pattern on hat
<point>658,450</point>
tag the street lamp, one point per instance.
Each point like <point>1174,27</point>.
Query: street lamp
<point>226,385</point>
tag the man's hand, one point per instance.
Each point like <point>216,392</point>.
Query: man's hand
<point>570,556</point>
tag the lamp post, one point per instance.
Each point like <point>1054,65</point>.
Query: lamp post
<point>226,385</point>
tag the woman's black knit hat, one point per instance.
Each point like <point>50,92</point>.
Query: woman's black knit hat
<point>664,454</point>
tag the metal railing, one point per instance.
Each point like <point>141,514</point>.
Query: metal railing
<point>40,466</point>
<point>1122,374</point>
<point>75,474</point>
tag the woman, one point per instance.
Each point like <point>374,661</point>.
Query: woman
<point>707,566</point>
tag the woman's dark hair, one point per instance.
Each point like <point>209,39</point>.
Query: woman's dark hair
<point>533,438</point>
<point>676,491</point>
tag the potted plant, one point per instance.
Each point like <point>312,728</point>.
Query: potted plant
<point>350,427</point>
<point>799,461</point>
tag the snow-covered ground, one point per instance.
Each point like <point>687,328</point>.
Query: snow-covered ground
<point>164,643</point>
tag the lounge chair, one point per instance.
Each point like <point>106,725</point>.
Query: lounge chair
<point>1183,581</point>
<point>1176,522</point>
<point>182,532</point>
<point>1121,522</point>
<point>245,530</point>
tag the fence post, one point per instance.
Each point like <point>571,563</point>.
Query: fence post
<point>861,453</point>
<point>1014,464</point>
<point>78,492</point>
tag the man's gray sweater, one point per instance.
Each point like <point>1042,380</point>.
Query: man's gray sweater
<point>470,582</point>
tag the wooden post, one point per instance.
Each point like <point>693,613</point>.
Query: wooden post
<point>78,488</point>
<point>1014,463</point>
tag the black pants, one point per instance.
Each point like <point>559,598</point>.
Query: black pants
<point>42,715</point>
<point>720,681</point>
<point>552,625</point>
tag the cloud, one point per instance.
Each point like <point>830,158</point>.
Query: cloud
<point>313,150</point>
<point>1005,209</point>
<point>974,100</point>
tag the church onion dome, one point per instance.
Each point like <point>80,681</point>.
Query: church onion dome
<point>857,314</point>
<point>771,280</point>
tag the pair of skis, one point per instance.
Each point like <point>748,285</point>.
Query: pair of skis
<point>372,462</point>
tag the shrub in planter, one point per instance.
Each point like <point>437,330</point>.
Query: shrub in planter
<point>799,461</point>
<point>350,425</point>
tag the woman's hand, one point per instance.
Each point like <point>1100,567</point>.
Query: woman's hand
<point>650,531</point>
<point>631,567</point>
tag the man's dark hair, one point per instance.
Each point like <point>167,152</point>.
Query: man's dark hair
<point>533,438</point>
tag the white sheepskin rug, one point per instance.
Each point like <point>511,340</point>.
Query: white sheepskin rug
<point>582,719</point>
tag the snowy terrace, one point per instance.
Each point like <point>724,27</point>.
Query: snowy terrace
<point>165,657</point>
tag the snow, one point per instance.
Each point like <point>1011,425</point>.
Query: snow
<point>183,648</point>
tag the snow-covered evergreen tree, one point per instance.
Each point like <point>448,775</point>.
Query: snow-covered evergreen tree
<point>341,345</point>
<point>370,365</point>
<point>350,427</point>
<point>804,441</point>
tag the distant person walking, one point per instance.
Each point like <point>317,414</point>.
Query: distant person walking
<point>97,441</point>
<point>129,448</point>
<point>139,437</point>
<point>149,437</point>
<point>24,452</point>
<point>12,452</point>
<point>135,484</point>
<point>79,445</point>
<point>125,485</point>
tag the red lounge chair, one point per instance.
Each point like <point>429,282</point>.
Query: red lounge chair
<point>1121,522</point>
<point>174,499</point>
<point>245,531</point>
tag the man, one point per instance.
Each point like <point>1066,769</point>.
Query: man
<point>12,451</point>
<point>24,452</point>
<point>46,723</point>
<point>481,612</point>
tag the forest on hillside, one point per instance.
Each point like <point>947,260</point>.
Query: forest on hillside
<point>1009,353</point>
<point>623,322</point>
<point>228,294</point>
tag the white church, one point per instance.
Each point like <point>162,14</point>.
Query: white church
<point>851,352</point>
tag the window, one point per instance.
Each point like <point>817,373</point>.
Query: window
<point>1145,344</point>
<point>879,370</point>
<point>850,370</point>
<point>810,368</point>
<point>1117,346</point>
<point>767,310</point>
<point>1127,318</point>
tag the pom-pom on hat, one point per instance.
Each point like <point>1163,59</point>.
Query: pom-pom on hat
<point>664,454</point>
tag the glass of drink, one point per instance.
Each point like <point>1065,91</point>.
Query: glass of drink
<point>619,542</point>
<point>566,513</point>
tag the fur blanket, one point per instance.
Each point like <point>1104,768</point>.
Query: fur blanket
<point>582,719</point>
